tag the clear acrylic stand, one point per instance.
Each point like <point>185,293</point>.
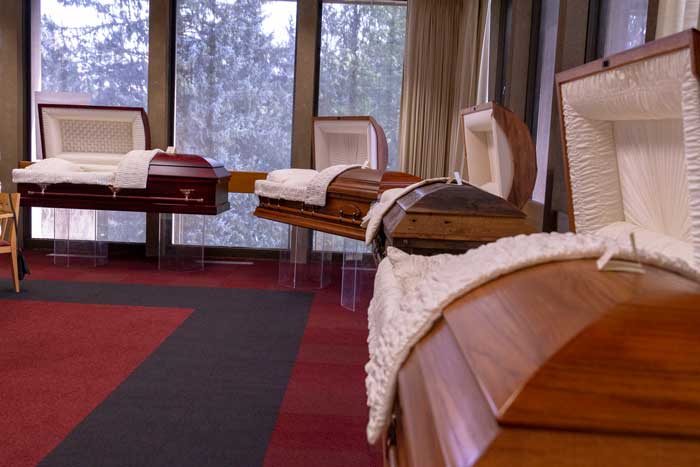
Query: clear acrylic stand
<point>80,237</point>
<point>358,275</point>
<point>181,242</point>
<point>302,265</point>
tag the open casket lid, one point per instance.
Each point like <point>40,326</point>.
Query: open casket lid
<point>630,126</point>
<point>349,140</point>
<point>499,152</point>
<point>92,134</point>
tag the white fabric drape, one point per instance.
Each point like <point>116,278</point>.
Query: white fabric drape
<point>441,71</point>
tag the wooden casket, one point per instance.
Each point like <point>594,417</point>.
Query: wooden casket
<point>561,364</point>
<point>337,141</point>
<point>95,140</point>
<point>502,167</point>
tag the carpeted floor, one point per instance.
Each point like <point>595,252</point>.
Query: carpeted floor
<point>127,366</point>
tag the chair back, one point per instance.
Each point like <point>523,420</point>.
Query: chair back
<point>7,228</point>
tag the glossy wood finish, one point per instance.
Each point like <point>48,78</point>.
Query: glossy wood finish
<point>442,218</point>
<point>521,145</point>
<point>348,200</point>
<point>557,365</point>
<point>9,206</point>
<point>244,182</point>
<point>177,183</point>
<point>689,39</point>
<point>240,181</point>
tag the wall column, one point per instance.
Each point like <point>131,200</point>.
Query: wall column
<point>305,81</point>
<point>14,72</point>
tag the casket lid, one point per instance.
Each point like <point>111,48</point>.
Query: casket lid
<point>499,152</point>
<point>93,129</point>
<point>629,125</point>
<point>184,160</point>
<point>441,199</point>
<point>349,140</point>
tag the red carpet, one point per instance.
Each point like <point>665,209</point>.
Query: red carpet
<point>72,357</point>
<point>323,415</point>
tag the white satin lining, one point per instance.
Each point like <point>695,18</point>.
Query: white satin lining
<point>632,158</point>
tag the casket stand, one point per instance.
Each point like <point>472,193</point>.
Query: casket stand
<point>557,362</point>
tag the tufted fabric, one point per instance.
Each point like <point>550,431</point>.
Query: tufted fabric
<point>633,144</point>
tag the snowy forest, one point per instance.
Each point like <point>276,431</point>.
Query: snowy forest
<point>234,83</point>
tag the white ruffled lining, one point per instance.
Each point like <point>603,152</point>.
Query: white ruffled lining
<point>300,184</point>
<point>633,143</point>
<point>411,291</point>
<point>132,171</point>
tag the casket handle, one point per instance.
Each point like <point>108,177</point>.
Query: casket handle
<point>355,215</point>
<point>187,192</point>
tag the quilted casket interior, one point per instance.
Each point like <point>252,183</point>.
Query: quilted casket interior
<point>489,156</point>
<point>632,133</point>
<point>339,142</point>
<point>94,139</point>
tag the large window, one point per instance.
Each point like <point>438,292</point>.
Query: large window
<point>93,51</point>
<point>235,88</point>
<point>361,69</point>
<point>622,25</point>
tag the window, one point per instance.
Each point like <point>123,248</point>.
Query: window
<point>361,67</point>
<point>544,91</point>
<point>93,51</point>
<point>235,88</point>
<point>622,25</point>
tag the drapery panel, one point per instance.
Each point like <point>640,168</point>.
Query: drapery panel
<point>444,41</point>
<point>677,15</point>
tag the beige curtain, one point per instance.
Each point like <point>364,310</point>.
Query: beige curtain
<point>441,74</point>
<point>677,15</point>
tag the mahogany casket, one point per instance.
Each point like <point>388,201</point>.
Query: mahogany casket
<point>501,171</point>
<point>96,139</point>
<point>560,363</point>
<point>341,140</point>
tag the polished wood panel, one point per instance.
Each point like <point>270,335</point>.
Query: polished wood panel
<point>521,146</point>
<point>443,217</point>
<point>557,365</point>
<point>177,183</point>
<point>244,182</point>
<point>348,200</point>
<point>240,182</point>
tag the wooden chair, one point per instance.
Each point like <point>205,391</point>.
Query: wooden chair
<point>8,237</point>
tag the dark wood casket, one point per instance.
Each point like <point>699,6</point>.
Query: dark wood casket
<point>561,364</point>
<point>502,168</point>
<point>342,140</point>
<point>97,138</point>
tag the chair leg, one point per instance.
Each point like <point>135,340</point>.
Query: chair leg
<point>15,271</point>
